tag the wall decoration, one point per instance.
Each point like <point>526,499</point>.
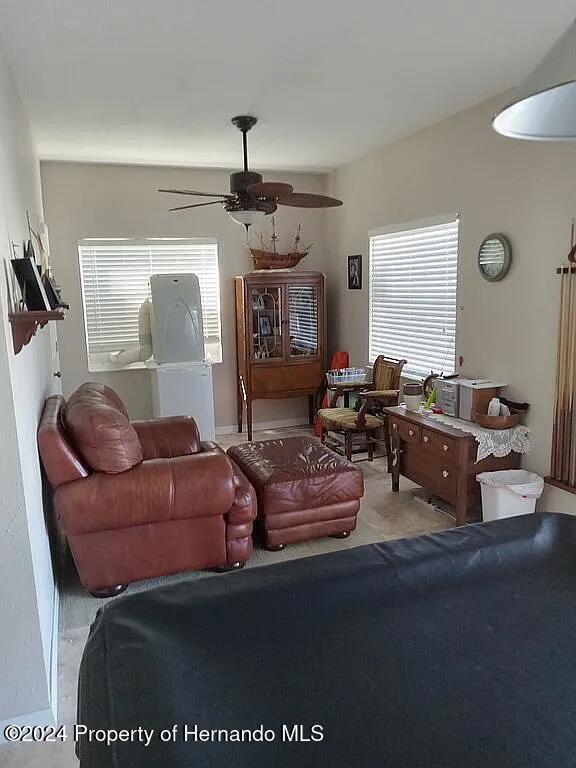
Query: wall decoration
<point>355,272</point>
<point>494,257</point>
<point>268,257</point>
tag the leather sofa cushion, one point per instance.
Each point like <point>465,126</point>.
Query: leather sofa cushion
<point>347,419</point>
<point>104,393</point>
<point>168,437</point>
<point>96,420</point>
<point>297,473</point>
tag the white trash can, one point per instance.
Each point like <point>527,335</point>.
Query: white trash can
<point>509,493</point>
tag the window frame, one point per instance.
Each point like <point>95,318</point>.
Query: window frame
<point>432,221</point>
<point>98,362</point>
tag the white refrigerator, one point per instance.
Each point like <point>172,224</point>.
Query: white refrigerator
<point>185,389</point>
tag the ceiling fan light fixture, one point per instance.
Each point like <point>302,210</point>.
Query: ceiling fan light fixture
<point>247,217</point>
<point>543,108</point>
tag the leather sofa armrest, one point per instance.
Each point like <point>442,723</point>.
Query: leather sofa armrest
<point>208,445</point>
<point>168,437</point>
<point>244,508</point>
<point>154,491</point>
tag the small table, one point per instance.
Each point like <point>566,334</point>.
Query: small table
<point>343,390</point>
<point>441,459</point>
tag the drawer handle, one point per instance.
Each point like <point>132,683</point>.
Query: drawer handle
<point>444,447</point>
<point>426,438</point>
<point>411,432</point>
<point>445,473</point>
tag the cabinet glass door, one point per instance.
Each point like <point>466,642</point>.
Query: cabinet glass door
<point>303,320</point>
<point>267,312</point>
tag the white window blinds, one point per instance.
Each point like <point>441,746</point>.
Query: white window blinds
<point>115,281</point>
<point>303,317</point>
<point>413,281</point>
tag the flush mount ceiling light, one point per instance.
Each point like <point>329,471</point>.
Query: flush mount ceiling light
<point>250,198</point>
<point>543,108</point>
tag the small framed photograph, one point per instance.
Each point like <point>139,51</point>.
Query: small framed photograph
<point>265,326</point>
<point>355,272</point>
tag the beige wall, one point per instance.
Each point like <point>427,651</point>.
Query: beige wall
<point>83,200</point>
<point>28,600</point>
<point>526,190</point>
<point>505,330</point>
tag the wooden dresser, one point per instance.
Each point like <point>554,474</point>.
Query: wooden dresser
<point>441,459</point>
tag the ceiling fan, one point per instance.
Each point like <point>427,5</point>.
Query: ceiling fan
<point>250,197</point>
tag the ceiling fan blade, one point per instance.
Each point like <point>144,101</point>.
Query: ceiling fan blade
<point>196,205</point>
<point>268,206</point>
<point>306,200</point>
<point>192,192</point>
<point>271,190</point>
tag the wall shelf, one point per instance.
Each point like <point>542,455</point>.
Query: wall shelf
<point>25,324</point>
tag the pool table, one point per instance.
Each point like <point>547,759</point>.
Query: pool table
<point>452,650</point>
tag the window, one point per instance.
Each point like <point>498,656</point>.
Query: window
<point>413,278</point>
<point>115,275</point>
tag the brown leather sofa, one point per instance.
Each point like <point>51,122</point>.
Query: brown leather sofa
<point>140,499</point>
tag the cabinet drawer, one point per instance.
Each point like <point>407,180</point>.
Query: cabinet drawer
<point>443,478</point>
<point>439,444</point>
<point>273,380</point>
<point>409,432</point>
<point>435,475</point>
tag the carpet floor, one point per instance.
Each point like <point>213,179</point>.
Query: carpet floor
<point>383,516</point>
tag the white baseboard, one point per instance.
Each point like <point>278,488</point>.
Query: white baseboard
<point>259,425</point>
<point>54,647</point>
<point>48,716</point>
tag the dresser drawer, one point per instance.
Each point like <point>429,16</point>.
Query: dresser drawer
<point>409,432</point>
<point>442,479</point>
<point>439,444</point>
<point>437,476</point>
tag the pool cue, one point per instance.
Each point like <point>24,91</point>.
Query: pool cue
<point>569,393</point>
<point>568,378</point>
<point>571,367</point>
<point>556,420</point>
<point>559,439</point>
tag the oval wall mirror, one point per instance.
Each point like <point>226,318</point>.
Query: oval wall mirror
<point>494,257</point>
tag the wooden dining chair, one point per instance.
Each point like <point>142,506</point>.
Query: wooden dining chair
<point>384,391</point>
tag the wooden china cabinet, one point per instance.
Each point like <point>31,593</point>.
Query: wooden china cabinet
<point>281,347</point>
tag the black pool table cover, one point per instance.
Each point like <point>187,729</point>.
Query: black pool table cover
<point>453,650</point>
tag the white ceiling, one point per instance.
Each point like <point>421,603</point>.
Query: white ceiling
<point>156,81</point>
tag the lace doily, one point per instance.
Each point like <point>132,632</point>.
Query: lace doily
<point>491,442</point>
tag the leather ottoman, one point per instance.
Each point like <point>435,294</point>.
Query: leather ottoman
<point>304,489</point>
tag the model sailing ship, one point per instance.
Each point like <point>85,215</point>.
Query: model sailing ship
<point>267,257</point>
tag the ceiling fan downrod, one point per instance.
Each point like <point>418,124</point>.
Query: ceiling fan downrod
<point>239,182</point>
